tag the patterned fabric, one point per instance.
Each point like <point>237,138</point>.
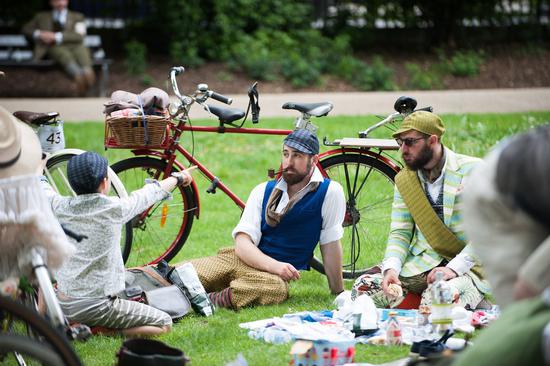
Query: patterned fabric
<point>113,312</point>
<point>222,298</point>
<point>96,269</point>
<point>272,217</point>
<point>463,290</point>
<point>414,252</point>
<point>86,171</point>
<point>436,205</point>
<point>249,286</point>
<point>303,140</point>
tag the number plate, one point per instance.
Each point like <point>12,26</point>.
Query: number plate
<point>52,137</point>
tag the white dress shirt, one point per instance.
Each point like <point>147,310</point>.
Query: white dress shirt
<point>332,211</point>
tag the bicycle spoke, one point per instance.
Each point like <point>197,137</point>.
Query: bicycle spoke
<point>163,228</point>
<point>374,205</point>
<point>364,180</point>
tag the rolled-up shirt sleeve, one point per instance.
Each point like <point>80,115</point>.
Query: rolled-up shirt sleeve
<point>333,212</point>
<point>251,219</point>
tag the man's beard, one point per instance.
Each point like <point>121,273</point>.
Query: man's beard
<point>296,177</point>
<point>424,157</point>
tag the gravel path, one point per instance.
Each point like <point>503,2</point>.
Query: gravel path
<point>349,104</point>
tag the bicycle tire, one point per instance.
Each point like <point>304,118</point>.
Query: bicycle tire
<point>52,337</point>
<point>57,168</point>
<point>368,187</point>
<point>149,232</point>
<point>25,347</point>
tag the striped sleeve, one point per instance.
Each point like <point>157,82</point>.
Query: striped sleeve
<point>401,230</point>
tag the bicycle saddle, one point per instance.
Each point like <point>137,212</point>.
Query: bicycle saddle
<point>36,118</point>
<point>405,105</point>
<point>226,115</point>
<point>313,109</point>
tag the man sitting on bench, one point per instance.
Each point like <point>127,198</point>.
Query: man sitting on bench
<point>59,34</point>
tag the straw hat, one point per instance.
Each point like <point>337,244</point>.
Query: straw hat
<point>20,150</point>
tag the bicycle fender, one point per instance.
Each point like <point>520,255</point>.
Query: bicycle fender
<point>334,152</point>
<point>160,155</point>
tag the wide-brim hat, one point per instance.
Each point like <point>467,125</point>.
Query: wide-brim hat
<point>422,121</point>
<point>20,150</point>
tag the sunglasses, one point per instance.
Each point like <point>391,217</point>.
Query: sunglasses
<point>409,141</point>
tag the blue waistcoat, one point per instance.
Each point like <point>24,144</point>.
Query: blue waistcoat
<point>295,238</point>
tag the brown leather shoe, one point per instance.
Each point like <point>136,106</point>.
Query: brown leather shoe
<point>89,75</point>
<point>81,84</point>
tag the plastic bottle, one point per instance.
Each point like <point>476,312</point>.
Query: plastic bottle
<point>256,333</point>
<point>276,336</point>
<point>393,330</point>
<point>442,304</point>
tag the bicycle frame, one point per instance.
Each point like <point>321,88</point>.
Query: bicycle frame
<point>169,155</point>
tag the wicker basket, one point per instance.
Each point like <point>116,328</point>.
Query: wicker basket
<point>138,131</point>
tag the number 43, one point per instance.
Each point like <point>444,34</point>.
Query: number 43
<point>54,138</point>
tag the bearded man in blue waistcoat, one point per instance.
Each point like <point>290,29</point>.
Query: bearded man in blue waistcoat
<point>281,225</point>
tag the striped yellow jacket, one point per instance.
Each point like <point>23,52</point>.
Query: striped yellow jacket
<point>414,253</point>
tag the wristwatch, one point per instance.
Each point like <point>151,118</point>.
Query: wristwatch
<point>179,177</point>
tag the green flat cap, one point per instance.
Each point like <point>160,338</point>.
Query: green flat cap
<point>422,121</point>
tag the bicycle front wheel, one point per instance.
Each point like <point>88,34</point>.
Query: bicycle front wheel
<point>20,350</point>
<point>368,186</point>
<point>161,231</point>
<point>18,320</point>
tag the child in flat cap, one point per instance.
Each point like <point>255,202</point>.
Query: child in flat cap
<point>90,279</point>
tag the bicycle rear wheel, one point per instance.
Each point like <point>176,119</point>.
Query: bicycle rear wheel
<point>56,172</point>
<point>368,187</point>
<point>18,320</point>
<point>161,231</point>
<point>20,350</point>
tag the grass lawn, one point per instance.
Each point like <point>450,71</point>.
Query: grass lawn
<point>242,161</point>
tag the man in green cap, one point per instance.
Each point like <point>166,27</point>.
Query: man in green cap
<point>426,234</point>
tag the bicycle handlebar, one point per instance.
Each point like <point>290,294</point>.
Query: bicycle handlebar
<point>219,97</point>
<point>178,70</point>
<point>175,71</point>
<point>200,96</point>
<point>389,119</point>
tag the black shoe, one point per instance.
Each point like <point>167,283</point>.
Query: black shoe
<point>415,347</point>
<point>434,348</point>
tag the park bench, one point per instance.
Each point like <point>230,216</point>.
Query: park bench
<point>16,51</point>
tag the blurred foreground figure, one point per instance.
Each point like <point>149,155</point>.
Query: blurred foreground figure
<point>507,215</point>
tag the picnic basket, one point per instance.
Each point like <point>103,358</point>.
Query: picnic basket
<point>132,132</point>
